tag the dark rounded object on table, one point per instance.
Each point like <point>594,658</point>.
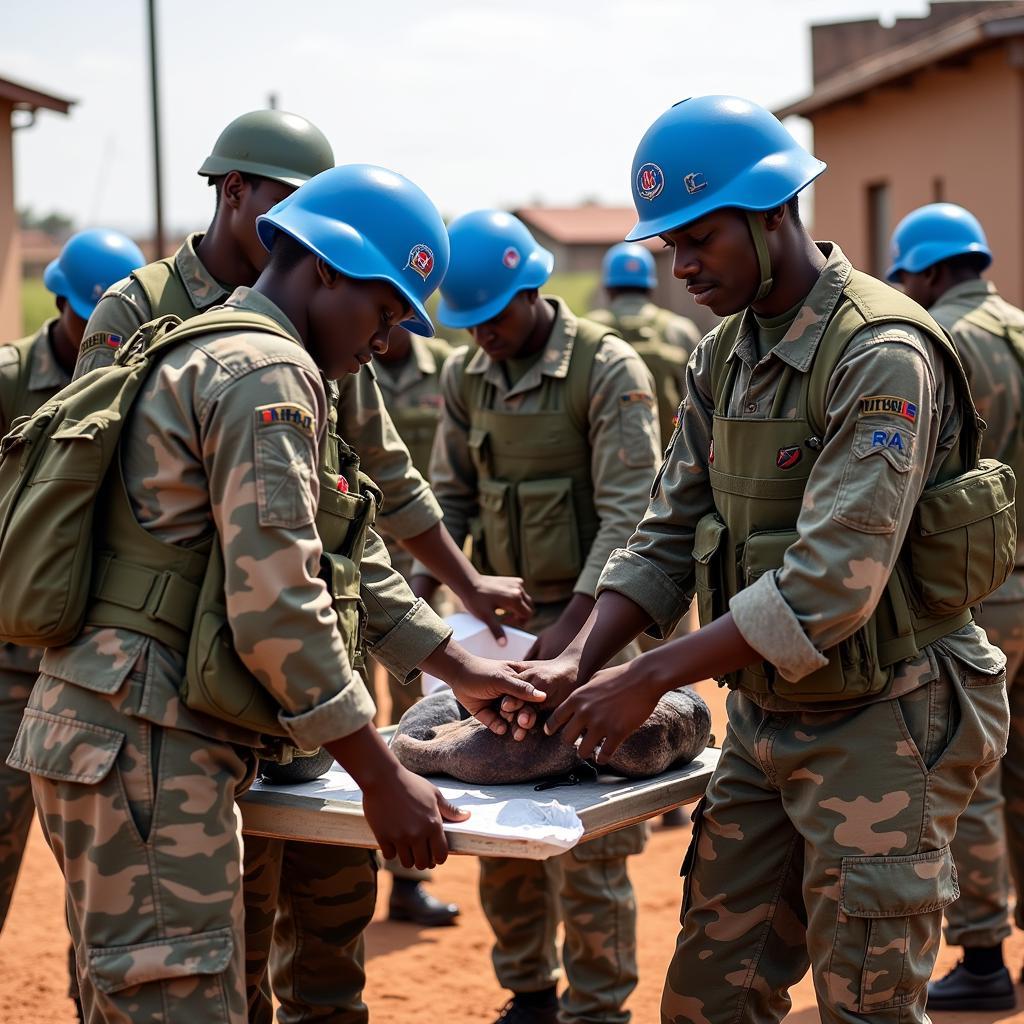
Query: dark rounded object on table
<point>303,767</point>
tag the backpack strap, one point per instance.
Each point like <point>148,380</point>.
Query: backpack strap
<point>726,338</point>
<point>589,336</point>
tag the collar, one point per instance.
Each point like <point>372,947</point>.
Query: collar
<point>630,304</point>
<point>256,302</point>
<point>44,372</point>
<point>554,361</point>
<point>978,289</point>
<point>801,341</point>
<point>420,365</point>
<point>203,289</point>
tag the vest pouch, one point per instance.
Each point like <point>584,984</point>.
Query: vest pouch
<point>45,574</point>
<point>548,536</point>
<point>341,575</point>
<point>498,527</point>
<point>853,670</point>
<point>217,683</point>
<point>336,513</point>
<point>962,540</point>
<point>708,538</point>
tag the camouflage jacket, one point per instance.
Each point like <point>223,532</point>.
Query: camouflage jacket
<point>197,456</point>
<point>409,505</point>
<point>832,578</point>
<point>624,438</point>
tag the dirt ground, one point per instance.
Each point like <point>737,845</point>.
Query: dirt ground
<point>414,975</point>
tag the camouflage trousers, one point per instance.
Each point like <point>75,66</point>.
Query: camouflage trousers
<point>15,787</point>
<point>306,907</point>
<point>588,890</point>
<point>989,843</point>
<point>823,841</point>
<point>143,822</point>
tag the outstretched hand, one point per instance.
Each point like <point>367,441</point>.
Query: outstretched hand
<point>601,714</point>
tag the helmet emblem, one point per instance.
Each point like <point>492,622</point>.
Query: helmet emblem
<point>694,182</point>
<point>421,259</point>
<point>632,265</point>
<point>650,180</point>
<point>510,257</point>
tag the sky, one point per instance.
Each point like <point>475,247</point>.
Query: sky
<point>481,102</point>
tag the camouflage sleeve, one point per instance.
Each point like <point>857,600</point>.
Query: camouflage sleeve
<point>262,473</point>
<point>625,445</point>
<point>857,503</point>
<point>451,466</point>
<point>401,629</point>
<point>655,570</point>
<point>410,507</point>
<point>121,311</point>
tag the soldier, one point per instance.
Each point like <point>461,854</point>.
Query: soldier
<point>408,375</point>
<point>545,455</point>
<point>814,497</point>
<point>231,439</point>
<point>663,338</point>
<point>259,158</point>
<point>32,370</point>
<point>939,254</point>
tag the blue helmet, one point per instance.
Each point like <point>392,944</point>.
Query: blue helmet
<point>712,152</point>
<point>368,223</point>
<point>494,257</point>
<point>90,262</point>
<point>932,233</point>
<point>628,265</point>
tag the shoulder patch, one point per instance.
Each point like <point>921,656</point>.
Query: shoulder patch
<point>888,405</point>
<point>631,397</point>
<point>101,339</point>
<point>291,413</point>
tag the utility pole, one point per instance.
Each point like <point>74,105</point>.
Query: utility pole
<point>154,94</point>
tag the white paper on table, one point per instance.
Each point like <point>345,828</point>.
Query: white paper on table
<point>477,639</point>
<point>514,817</point>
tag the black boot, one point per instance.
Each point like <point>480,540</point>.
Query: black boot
<point>963,990</point>
<point>530,1008</point>
<point>411,902</point>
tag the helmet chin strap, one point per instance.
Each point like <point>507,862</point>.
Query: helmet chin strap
<point>764,260</point>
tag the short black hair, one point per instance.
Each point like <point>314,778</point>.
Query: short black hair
<point>286,253</point>
<point>252,180</point>
<point>967,263</point>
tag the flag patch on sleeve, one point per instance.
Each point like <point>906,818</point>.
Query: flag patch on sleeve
<point>102,339</point>
<point>289,413</point>
<point>888,405</point>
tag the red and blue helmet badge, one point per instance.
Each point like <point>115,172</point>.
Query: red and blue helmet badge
<point>695,182</point>
<point>421,259</point>
<point>633,265</point>
<point>511,258</point>
<point>650,180</point>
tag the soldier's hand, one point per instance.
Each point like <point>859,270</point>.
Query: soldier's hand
<point>407,815</point>
<point>485,687</point>
<point>601,714</point>
<point>551,642</point>
<point>491,594</point>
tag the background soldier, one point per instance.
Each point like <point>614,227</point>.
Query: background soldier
<point>136,787</point>
<point>939,253</point>
<point>545,454</point>
<point>663,339</point>
<point>817,416</point>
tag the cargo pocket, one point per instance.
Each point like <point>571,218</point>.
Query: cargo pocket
<point>891,912</point>
<point>707,556</point>
<point>336,512</point>
<point>64,749</point>
<point>624,842</point>
<point>116,968</point>
<point>549,538</point>
<point>498,528</point>
<point>962,540</point>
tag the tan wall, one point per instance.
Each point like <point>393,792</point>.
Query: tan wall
<point>963,125</point>
<point>10,262</point>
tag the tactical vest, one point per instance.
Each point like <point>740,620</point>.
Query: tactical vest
<point>15,399</point>
<point>645,331</point>
<point>417,424</point>
<point>536,515</point>
<point>165,290</point>
<point>959,547</point>
<point>1012,336</point>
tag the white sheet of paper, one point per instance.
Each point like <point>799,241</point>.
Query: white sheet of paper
<point>477,639</point>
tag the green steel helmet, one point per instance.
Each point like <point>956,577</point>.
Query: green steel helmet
<point>270,144</point>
